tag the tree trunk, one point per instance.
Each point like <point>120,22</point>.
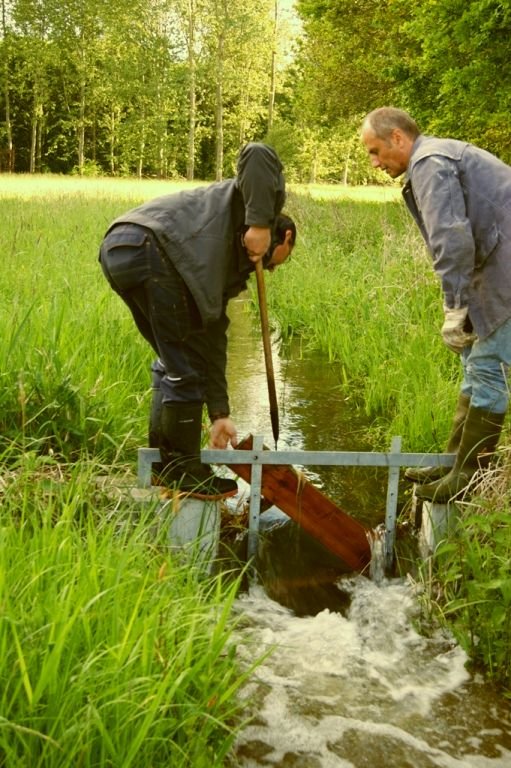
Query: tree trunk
<point>35,137</point>
<point>190,164</point>
<point>219,112</point>
<point>111,142</point>
<point>192,104</point>
<point>33,142</point>
<point>81,130</point>
<point>141,153</point>
<point>271,103</point>
<point>8,164</point>
<point>219,119</point>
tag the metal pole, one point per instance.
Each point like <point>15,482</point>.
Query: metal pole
<point>255,499</point>
<point>391,512</point>
<point>270,377</point>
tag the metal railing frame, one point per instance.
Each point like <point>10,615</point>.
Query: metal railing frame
<point>257,456</point>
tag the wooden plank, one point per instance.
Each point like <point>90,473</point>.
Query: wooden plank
<point>291,492</point>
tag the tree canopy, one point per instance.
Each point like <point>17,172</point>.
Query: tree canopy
<point>173,88</point>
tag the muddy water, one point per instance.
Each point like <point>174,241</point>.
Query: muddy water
<point>314,414</point>
<point>354,684</point>
<point>364,689</point>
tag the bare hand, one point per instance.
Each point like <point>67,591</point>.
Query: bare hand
<point>257,241</point>
<point>223,432</point>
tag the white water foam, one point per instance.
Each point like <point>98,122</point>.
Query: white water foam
<point>365,689</point>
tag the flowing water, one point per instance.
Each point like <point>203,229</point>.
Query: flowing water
<point>348,682</point>
<point>364,689</point>
<point>315,415</point>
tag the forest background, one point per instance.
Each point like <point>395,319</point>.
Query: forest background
<point>173,88</point>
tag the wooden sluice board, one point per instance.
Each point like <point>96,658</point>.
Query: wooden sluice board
<point>292,493</point>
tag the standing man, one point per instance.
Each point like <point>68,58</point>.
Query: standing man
<point>460,198</point>
<point>176,261</point>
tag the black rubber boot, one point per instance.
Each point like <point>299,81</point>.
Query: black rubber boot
<point>181,431</point>
<point>478,443</point>
<point>429,474</point>
<point>157,373</point>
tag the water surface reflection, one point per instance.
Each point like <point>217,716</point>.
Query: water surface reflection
<point>315,415</point>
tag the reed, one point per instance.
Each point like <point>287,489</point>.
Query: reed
<point>112,652</point>
<point>75,376</point>
<point>60,391</point>
<point>470,592</point>
<point>360,288</point>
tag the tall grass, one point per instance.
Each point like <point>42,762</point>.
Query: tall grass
<point>361,289</point>
<point>111,652</point>
<point>75,374</point>
<point>471,590</point>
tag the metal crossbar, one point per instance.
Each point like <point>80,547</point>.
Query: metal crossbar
<point>257,456</point>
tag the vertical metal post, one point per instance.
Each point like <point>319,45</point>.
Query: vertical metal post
<point>146,457</point>
<point>391,512</point>
<point>255,498</point>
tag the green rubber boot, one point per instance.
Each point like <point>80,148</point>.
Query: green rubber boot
<point>478,443</point>
<point>180,441</point>
<point>429,474</point>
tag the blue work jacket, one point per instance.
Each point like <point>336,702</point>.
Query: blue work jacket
<point>460,197</point>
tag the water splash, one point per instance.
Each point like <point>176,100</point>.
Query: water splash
<point>363,689</point>
<point>376,539</point>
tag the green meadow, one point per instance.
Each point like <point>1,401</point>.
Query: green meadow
<point>112,653</point>
<point>75,374</point>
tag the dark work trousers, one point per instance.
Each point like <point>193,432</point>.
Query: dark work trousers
<point>162,308</point>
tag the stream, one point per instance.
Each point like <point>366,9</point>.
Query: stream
<point>314,414</point>
<point>349,682</point>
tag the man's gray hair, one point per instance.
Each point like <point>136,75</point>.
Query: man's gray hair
<point>385,119</point>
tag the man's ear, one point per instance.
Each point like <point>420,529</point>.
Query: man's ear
<point>397,137</point>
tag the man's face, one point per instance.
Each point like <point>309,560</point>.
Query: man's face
<point>280,253</point>
<point>390,155</point>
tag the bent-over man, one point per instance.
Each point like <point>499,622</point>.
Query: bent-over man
<point>176,261</point>
<point>460,197</point>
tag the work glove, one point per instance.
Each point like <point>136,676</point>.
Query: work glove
<point>453,329</point>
